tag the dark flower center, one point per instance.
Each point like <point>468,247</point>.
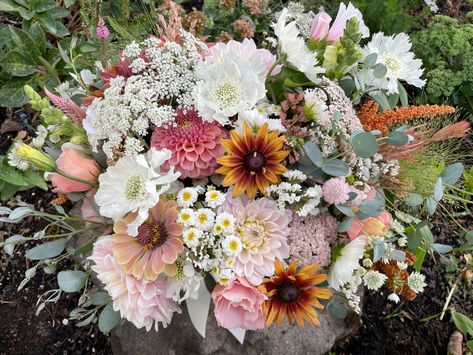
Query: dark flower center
<point>288,293</point>
<point>254,161</point>
<point>152,235</point>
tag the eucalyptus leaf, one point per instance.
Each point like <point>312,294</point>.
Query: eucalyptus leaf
<point>364,144</point>
<point>442,248</point>
<point>337,309</point>
<point>314,153</point>
<point>370,60</point>
<point>108,318</point>
<point>452,173</point>
<point>347,211</point>
<point>379,71</point>
<point>47,250</point>
<point>413,199</point>
<point>402,94</point>
<point>431,205</point>
<point>378,251</point>
<point>397,138</point>
<point>335,167</point>
<point>438,190</point>
<point>71,280</point>
<point>343,226</point>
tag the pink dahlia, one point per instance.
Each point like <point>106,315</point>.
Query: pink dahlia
<point>195,144</point>
<point>155,248</point>
<point>310,238</point>
<point>141,302</point>
<point>263,230</point>
<point>336,191</point>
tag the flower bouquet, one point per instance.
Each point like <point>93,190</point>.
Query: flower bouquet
<point>274,181</point>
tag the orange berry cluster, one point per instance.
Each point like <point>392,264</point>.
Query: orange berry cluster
<point>372,119</point>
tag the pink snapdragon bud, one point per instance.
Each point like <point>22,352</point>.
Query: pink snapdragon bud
<point>320,26</point>
<point>102,30</point>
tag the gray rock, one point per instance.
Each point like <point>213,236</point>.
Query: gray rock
<point>181,338</point>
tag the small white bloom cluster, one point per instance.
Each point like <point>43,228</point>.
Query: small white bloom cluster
<point>350,290</point>
<point>290,193</point>
<point>208,236</point>
<point>432,5</point>
<point>159,84</point>
<point>373,280</point>
<point>376,166</point>
<point>416,281</point>
<point>14,159</point>
<point>303,19</point>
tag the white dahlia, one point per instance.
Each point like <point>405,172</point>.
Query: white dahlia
<point>134,184</point>
<point>229,85</point>
<point>393,52</point>
<point>346,263</point>
<point>262,229</point>
<point>143,303</point>
<point>293,46</point>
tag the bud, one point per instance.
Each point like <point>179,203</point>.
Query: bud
<point>35,157</point>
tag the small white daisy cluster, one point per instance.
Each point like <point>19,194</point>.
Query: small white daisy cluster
<point>209,236</point>
<point>349,291</point>
<point>375,167</point>
<point>163,79</point>
<point>303,200</point>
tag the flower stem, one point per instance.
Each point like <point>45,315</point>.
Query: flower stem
<point>90,183</point>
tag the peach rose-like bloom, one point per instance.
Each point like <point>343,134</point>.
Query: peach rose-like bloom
<point>239,305</point>
<point>74,162</point>
<point>155,248</point>
<point>370,226</point>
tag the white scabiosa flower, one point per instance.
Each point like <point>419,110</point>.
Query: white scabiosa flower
<point>232,245</point>
<point>373,280</point>
<point>204,219</point>
<point>228,86</point>
<point>393,297</point>
<point>315,109</point>
<point>191,237</point>
<point>186,217</point>
<point>416,281</point>
<point>394,53</point>
<point>187,197</point>
<point>214,198</point>
<point>293,46</point>
<point>184,284</point>
<point>134,184</point>
<point>346,263</point>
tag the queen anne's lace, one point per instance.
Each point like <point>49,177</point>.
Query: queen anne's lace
<point>163,79</point>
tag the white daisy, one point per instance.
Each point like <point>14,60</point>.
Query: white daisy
<point>256,119</point>
<point>416,281</point>
<point>214,198</point>
<point>373,280</point>
<point>204,219</point>
<point>346,263</point>
<point>393,52</point>
<point>134,184</point>
<point>187,197</point>
<point>293,46</point>
<point>232,245</point>
<point>186,217</point>
<point>225,276</point>
<point>227,221</point>
<point>191,237</point>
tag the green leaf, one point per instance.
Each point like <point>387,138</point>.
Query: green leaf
<point>12,93</point>
<point>442,248</point>
<point>10,175</point>
<point>379,71</point>
<point>343,226</point>
<point>48,22</point>
<point>8,191</point>
<point>347,211</point>
<point>335,167</point>
<point>431,205</point>
<point>370,60</point>
<point>100,298</point>
<point>364,144</point>
<point>124,32</point>
<point>68,3</point>
<point>469,345</point>
<point>42,5</point>
<point>25,43</point>
<point>35,179</point>
<point>420,256</point>
<point>381,99</point>
<point>397,138</point>
<point>47,250</point>
<point>9,6</point>
<point>37,34</point>
<point>18,64</point>
<point>463,323</point>
<point>108,319</point>
<point>71,281</point>
<point>314,153</point>
<point>452,173</point>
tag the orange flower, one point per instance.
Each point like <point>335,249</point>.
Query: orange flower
<point>372,119</point>
<point>292,294</point>
<point>252,162</point>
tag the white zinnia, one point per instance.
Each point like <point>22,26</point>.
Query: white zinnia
<point>346,263</point>
<point>393,52</point>
<point>416,281</point>
<point>228,86</point>
<point>373,280</point>
<point>134,184</point>
<point>294,47</point>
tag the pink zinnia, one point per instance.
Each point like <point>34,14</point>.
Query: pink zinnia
<point>263,230</point>
<point>143,303</point>
<point>195,144</point>
<point>336,191</point>
<point>156,247</point>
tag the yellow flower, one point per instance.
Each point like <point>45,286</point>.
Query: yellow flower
<point>35,157</point>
